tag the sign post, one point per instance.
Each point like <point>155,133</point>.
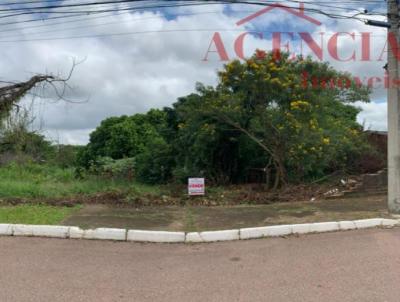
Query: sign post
<point>196,186</point>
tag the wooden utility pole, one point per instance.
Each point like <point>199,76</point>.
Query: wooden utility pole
<point>393,104</point>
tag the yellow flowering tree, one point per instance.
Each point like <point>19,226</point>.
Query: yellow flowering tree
<point>298,111</point>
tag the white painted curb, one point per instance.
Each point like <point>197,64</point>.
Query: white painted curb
<point>6,229</point>
<point>156,236</point>
<point>321,227</point>
<point>368,223</point>
<point>390,222</point>
<point>270,231</point>
<point>98,234</point>
<point>227,235</point>
<point>106,234</point>
<point>40,231</point>
<point>22,230</point>
<point>194,237</point>
<point>347,225</point>
<point>50,231</point>
<point>304,228</point>
<point>76,233</point>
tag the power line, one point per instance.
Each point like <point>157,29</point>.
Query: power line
<point>156,5</point>
<point>27,2</point>
<point>173,4</point>
<point>53,9</point>
<point>142,33</point>
<point>84,17</point>
<point>83,26</point>
<point>88,12</point>
<point>102,24</point>
<point>97,3</point>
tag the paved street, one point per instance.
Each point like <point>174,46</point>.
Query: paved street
<point>350,266</point>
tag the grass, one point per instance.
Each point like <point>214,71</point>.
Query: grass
<point>35,214</point>
<point>190,220</point>
<point>42,181</point>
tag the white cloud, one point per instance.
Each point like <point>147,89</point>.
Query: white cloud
<point>373,115</point>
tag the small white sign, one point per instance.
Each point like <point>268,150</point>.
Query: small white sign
<point>196,186</point>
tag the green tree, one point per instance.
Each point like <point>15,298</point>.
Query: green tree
<point>139,136</point>
<point>125,136</point>
<point>304,129</point>
<point>207,147</point>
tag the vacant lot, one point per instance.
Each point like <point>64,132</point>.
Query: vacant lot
<point>40,194</point>
<point>51,185</point>
<point>33,181</point>
<point>198,218</point>
<point>193,218</point>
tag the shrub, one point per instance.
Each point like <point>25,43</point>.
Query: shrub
<point>154,164</point>
<point>111,168</point>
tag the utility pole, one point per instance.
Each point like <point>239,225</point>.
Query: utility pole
<point>393,104</point>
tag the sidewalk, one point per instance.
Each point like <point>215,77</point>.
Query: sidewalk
<point>219,218</point>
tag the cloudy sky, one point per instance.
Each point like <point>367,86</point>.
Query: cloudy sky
<point>134,61</point>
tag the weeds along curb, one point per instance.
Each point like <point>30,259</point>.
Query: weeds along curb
<point>66,232</point>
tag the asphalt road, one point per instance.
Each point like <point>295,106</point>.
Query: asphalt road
<point>349,266</point>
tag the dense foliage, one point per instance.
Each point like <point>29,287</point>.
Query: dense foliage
<point>21,145</point>
<point>141,136</point>
<point>263,118</point>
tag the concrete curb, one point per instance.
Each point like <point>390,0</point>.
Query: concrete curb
<point>6,230</point>
<point>368,223</point>
<point>156,236</point>
<point>98,234</point>
<point>227,235</point>
<point>40,231</point>
<point>193,237</point>
<point>347,225</point>
<point>271,231</point>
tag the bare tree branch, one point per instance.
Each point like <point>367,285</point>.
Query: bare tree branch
<point>14,91</point>
<point>11,94</point>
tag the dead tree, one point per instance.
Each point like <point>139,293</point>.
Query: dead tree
<point>11,94</point>
<point>14,91</point>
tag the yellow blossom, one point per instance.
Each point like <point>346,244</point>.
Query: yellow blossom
<point>275,81</point>
<point>313,124</point>
<point>229,66</point>
<point>354,132</point>
<point>295,105</point>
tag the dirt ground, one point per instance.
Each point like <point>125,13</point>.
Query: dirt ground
<point>176,195</point>
<point>199,218</point>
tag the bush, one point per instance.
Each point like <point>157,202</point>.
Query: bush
<point>19,145</point>
<point>66,155</point>
<point>111,168</point>
<point>154,164</point>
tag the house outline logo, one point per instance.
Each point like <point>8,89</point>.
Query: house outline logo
<point>294,11</point>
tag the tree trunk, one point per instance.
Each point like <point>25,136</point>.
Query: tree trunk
<point>10,94</point>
